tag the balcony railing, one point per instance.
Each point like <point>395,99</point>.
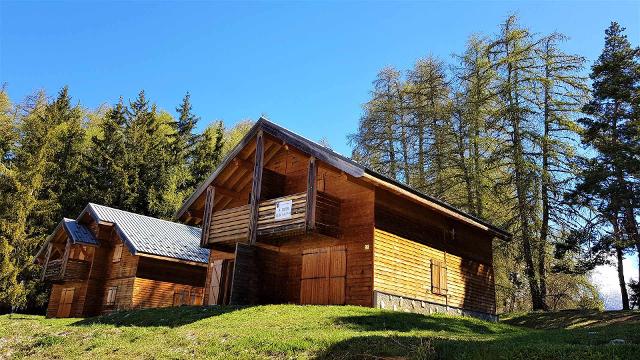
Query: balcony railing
<point>232,225</point>
<point>74,270</point>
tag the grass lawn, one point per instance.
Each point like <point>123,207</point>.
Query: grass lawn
<point>323,332</point>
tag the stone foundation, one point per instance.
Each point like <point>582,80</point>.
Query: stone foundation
<point>398,303</point>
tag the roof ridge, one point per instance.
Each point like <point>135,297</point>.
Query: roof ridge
<point>309,140</point>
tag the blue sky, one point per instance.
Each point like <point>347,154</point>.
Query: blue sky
<point>307,65</point>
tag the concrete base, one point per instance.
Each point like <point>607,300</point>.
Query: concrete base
<point>398,303</point>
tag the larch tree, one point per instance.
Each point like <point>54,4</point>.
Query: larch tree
<point>472,121</point>
<point>562,91</point>
<point>515,61</point>
<point>380,129</point>
<point>429,108</point>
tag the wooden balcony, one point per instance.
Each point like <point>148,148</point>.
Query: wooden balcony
<point>74,270</point>
<point>232,225</point>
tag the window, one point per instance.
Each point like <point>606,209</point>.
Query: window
<point>438,278</point>
<point>111,295</point>
<point>117,253</point>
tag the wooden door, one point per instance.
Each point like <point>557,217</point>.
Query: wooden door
<point>214,284</point>
<point>66,299</point>
<point>227,279</point>
<point>323,276</point>
<point>220,284</point>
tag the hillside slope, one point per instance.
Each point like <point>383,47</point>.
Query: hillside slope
<point>289,331</point>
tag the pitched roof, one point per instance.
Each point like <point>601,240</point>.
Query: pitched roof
<point>339,161</point>
<point>78,233</point>
<point>148,235</point>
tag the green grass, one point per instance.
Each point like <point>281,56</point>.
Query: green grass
<point>319,332</point>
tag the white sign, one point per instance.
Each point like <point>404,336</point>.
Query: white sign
<point>283,210</point>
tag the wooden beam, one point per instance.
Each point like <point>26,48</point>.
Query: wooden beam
<point>228,192</point>
<point>269,153</point>
<point>208,210</point>
<point>255,188</point>
<point>239,162</point>
<point>311,194</point>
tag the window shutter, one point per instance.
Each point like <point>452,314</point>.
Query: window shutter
<point>111,295</point>
<point>117,253</point>
<point>435,277</point>
<point>443,280</point>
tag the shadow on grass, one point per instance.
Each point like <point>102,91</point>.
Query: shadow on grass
<point>573,318</point>
<point>522,346</point>
<point>167,317</point>
<point>404,322</point>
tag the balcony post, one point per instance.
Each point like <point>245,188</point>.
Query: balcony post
<point>46,263</point>
<point>208,215</point>
<point>65,258</point>
<point>254,202</point>
<point>311,194</point>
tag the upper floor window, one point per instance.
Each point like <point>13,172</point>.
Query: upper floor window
<point>117,253</point>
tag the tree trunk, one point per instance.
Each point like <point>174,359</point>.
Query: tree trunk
<point>623,285</point>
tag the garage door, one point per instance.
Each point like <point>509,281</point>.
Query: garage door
<point>323,276</point>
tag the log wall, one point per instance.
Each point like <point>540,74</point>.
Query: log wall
<point>402,267</point>
<point>152,293</point>
<point>79,298</point>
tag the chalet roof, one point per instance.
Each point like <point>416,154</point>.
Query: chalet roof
<point>342,163</point>
<point>78,233</point>
<point>148,235</point>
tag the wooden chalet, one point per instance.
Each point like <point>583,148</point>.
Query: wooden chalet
<point>290,221</point>
<point>109,259</point>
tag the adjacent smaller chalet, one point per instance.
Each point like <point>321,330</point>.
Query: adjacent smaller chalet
<point>108,259</point>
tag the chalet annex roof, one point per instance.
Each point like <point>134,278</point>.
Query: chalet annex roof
<point>346,165</point>
<point>78,233</point>
<point>147,235</point>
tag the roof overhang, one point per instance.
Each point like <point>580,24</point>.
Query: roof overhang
<point>62,226</point>
<point>167,258</point>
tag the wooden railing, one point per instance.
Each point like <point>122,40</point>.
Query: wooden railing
<point>74,270</point>
<point>232,225</point>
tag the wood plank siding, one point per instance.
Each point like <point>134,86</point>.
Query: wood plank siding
<point>403,267</point>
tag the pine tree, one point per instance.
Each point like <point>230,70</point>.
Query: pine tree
<point>185,139</point>
<point>609,181</point>
<point>11,290</point>
<point>65,175</point>
<point>207,152</point>
<point>107,166</point>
